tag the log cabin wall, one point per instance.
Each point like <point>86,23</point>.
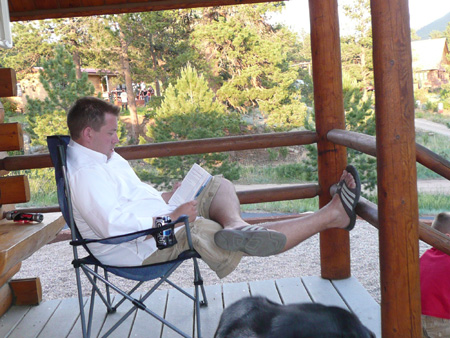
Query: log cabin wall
<point>13,189</point>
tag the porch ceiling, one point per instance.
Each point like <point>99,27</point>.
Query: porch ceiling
<point>37,10</point>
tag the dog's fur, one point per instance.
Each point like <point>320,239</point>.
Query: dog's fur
<point>258,317</point>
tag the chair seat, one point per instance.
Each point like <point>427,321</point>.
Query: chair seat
<point>140,273</point>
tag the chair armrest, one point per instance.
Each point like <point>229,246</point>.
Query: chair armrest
<point>134,235</point>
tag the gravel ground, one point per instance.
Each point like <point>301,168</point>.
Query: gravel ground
<point>52,264</point>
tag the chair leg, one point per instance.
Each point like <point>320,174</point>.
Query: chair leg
<point>198,282</point>
<point>81,303</point>
<point>108,294</point>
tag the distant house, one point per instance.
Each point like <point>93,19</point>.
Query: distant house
<point>428,60</point>
<point>31,86</point>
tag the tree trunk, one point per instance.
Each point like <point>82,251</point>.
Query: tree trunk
<point>155,66</point>
<point>129,83</point>
<point>77,61</point>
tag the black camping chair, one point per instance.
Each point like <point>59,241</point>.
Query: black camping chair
<point>57,146</point>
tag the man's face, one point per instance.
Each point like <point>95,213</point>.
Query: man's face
<point>106,138</point>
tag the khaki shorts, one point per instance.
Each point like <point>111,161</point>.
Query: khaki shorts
<point>222,262</point>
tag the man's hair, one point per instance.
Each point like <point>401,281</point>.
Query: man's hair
<point>442,222</point>
<point>88,112</point>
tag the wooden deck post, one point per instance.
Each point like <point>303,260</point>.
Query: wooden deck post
<point>396,167</point>
<point>329,109</point>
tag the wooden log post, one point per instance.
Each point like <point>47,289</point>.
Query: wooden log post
<point>396,168</point>
<point>329,109</point>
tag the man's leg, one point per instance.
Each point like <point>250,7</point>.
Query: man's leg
<point>225,210</point>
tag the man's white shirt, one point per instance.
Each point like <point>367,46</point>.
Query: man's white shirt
<point>109,200</point>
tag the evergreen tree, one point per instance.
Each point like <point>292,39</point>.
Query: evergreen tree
<point>357,47</point>
<point>163,42</point>
<point>31,45</point>
<point>359,117</point>
<point>189,112</point>
<point>58,78</point>
<point>252,62</point>
<point>74,33</point>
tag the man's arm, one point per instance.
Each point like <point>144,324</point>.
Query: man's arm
<point>189,209</point>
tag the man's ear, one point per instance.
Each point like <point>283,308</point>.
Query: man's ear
<point>86,134</point>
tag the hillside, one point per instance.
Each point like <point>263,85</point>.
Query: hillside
<point>437,25</point>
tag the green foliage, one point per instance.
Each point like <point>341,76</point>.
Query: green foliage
<point>42,187</point>
<point>10,108</point>
<point>49,124</point>
<point>189,112</point>
<point>63,88</point>
<point>356,49</point>
<point>252,63</point>
<point>59,80</point>
<point>359,118</point>
<point>31,45</point>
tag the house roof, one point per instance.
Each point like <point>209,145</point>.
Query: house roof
<point>429,54</point>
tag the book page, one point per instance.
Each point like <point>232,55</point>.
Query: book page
<point>192,184</point>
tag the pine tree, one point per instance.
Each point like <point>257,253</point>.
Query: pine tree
<point>189,111</point>
<point>252,62</point>
<point>359,117</point>
<point>58,78</point>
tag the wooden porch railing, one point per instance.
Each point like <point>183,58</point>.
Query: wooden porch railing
<point>361,142</point>
<point>233,143</point>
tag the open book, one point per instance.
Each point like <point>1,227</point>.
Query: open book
<point>192,185</point>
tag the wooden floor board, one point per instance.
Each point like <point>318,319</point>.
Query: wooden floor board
<point>12,318</point>
<point>144,324</point>
<point>57,318</point>
<point>292,291</point>
<point>322,291</point>
<point>125,327</point>
<point>360,303</point>
<point>62,320</point>
<point>266,288</point>
<point>35,320</point>
<point>180,312</point>
<point>210,315</point>
<point>233,292</point>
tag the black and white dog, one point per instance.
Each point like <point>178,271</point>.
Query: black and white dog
<point>258,317</point>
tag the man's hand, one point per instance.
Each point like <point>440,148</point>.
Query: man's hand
<point>189,209</point>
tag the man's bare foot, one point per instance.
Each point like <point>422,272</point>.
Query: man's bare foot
<point>346,198</point>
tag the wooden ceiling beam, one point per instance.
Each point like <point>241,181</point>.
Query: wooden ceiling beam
<point>147,6</point>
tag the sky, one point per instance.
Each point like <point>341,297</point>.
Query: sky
<point>421,12</point>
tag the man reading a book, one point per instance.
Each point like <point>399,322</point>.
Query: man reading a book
<point>109,200</point>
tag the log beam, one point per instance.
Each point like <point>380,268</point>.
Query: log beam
<point>8,82</point>
<point>329,109</point>
<point>11,137</point>
<point>65,9</point>
<point>180,148</point>
<point>367,145</point>
<point>6,298</point>
<point>26,291</point>
<point>396,168</point>
<point>14,189</point>
<point>369,212</point>
<point>21,241</point>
